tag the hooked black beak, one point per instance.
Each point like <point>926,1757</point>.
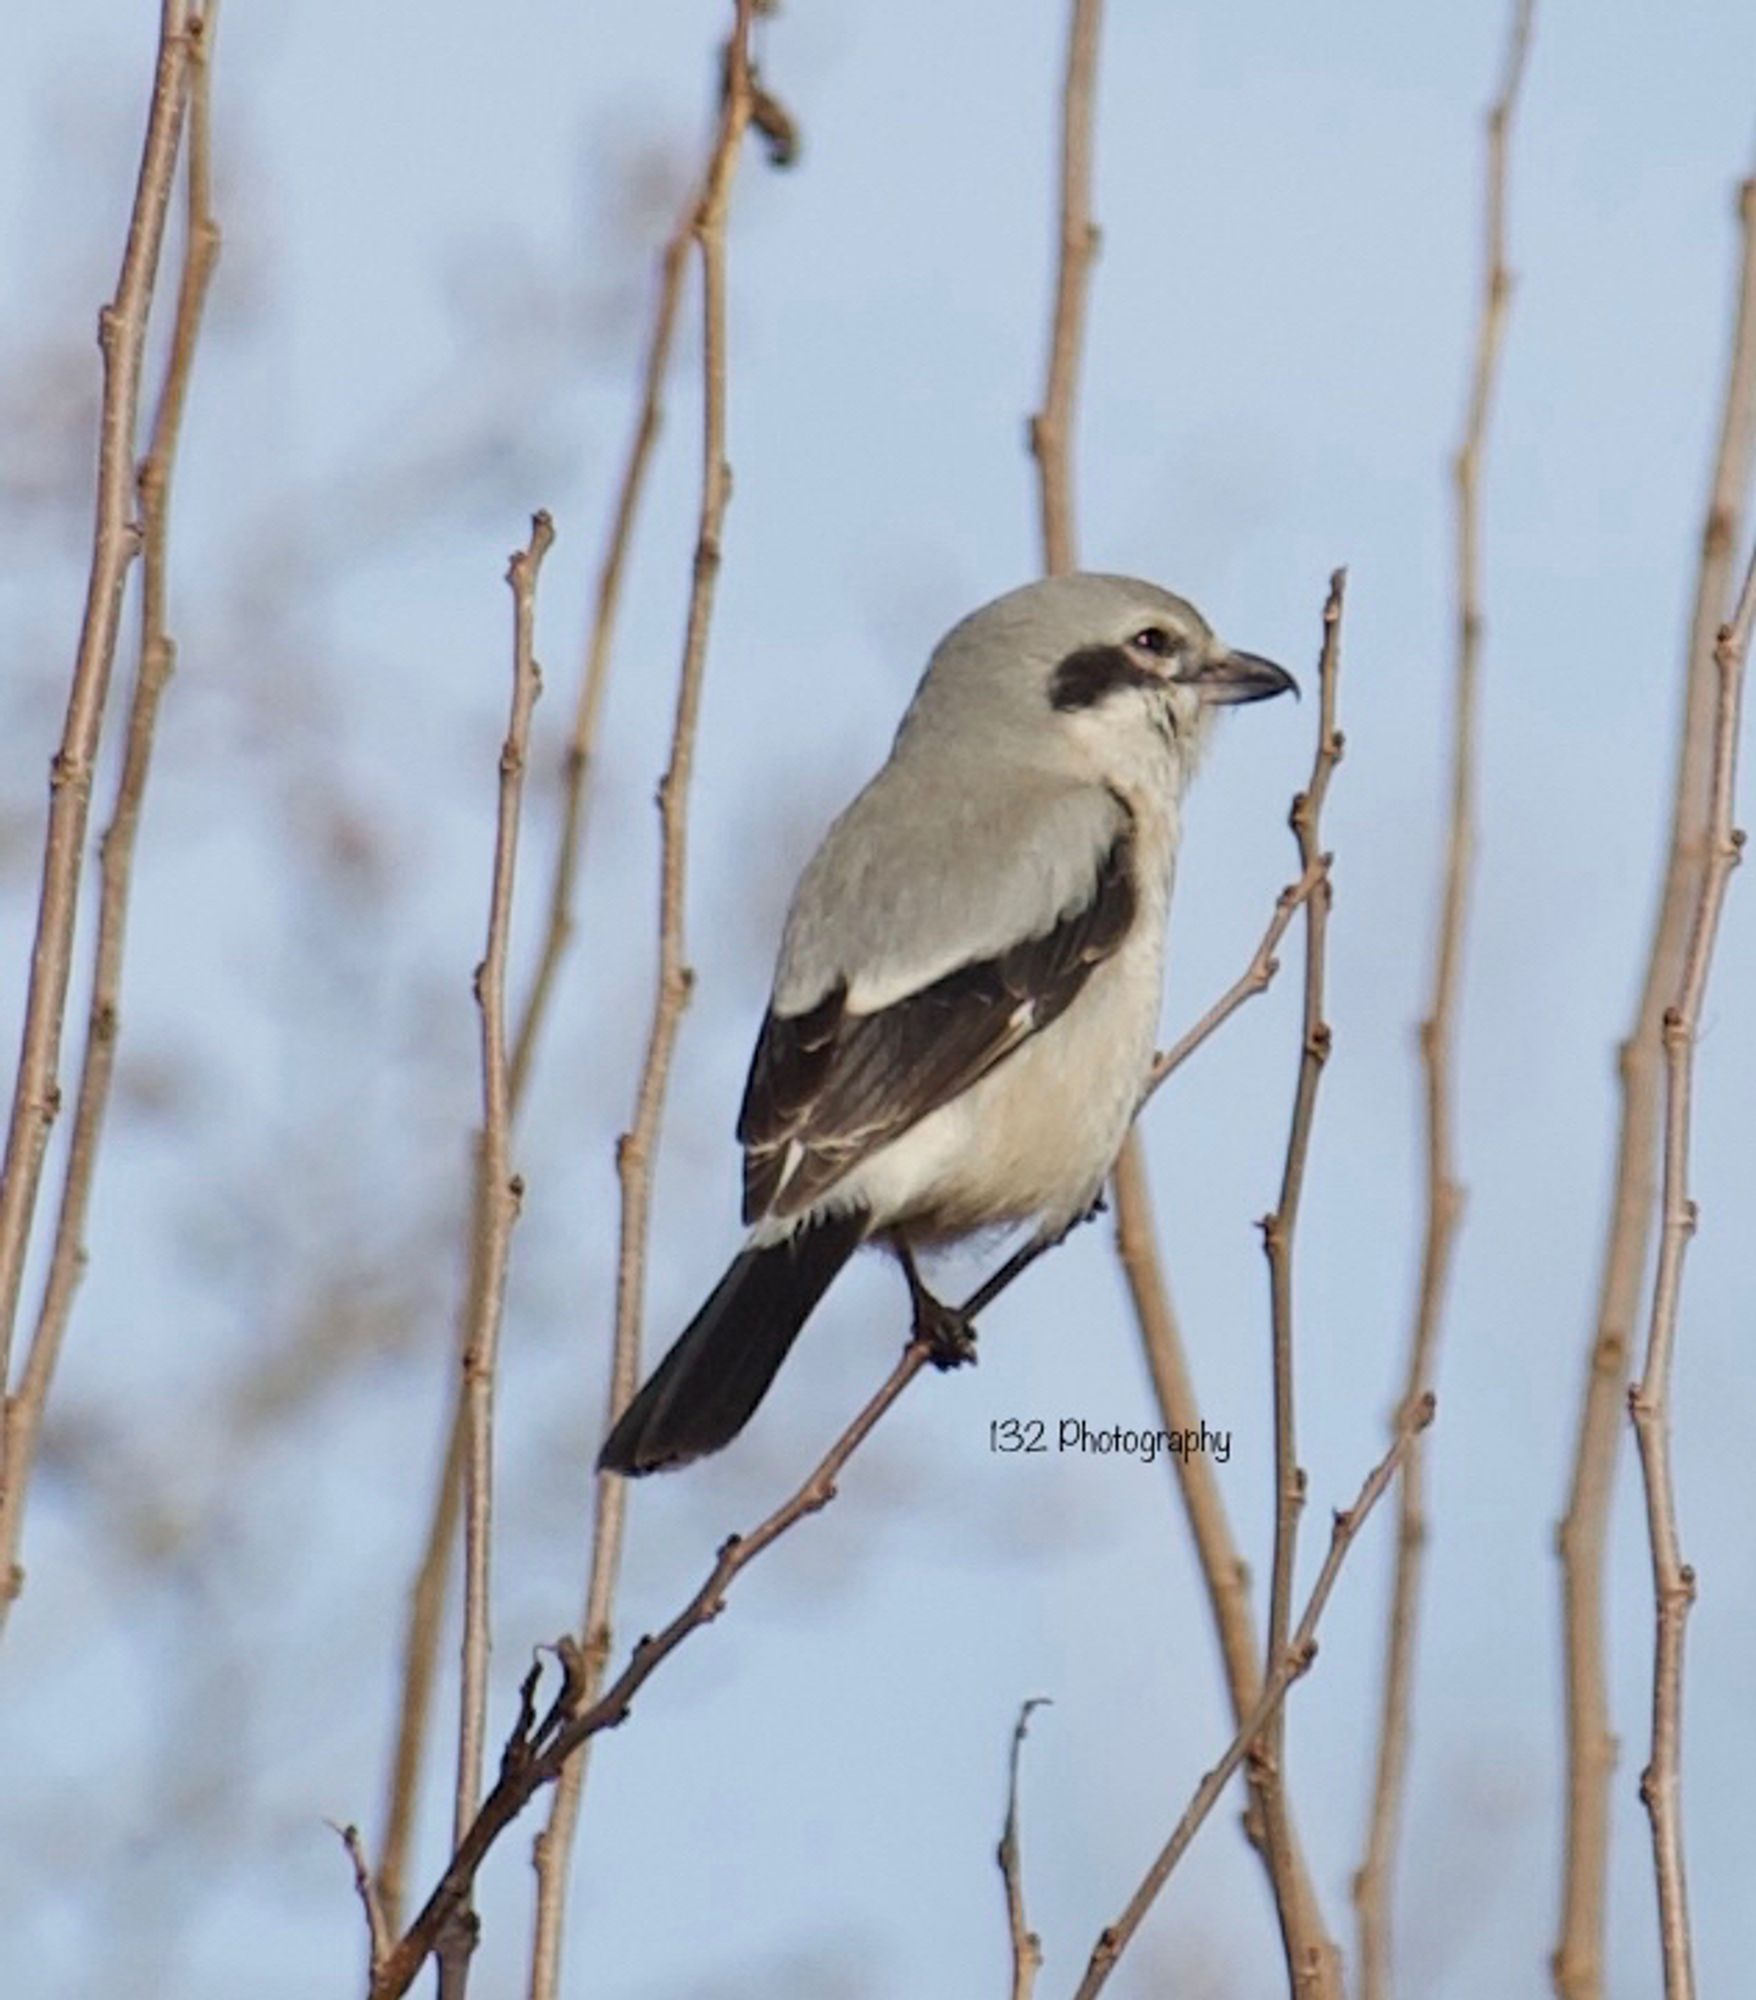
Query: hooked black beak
<point>1239,677</point>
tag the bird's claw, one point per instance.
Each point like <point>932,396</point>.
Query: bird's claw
<point>950,1339</point>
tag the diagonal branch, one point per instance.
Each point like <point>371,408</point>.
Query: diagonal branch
<point>116,540</point>
<point>1577,1963</point>
<point>539,1749</point>
<point>1649,1402</point>
<point>1256,977</point>
<point>1372,1882</point>
<point>1289,1665</point>
<point>1224,1572</point>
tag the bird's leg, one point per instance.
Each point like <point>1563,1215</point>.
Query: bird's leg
<point>950,1330</point>
<point>944,1328</point>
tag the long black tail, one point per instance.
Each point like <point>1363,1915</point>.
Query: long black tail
<point>706,1389</point>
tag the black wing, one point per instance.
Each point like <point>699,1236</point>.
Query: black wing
<point>829,1087</point>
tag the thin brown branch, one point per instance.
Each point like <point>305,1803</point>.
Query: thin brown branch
<point>1224,1572</point>
<point>498,1195</point>
<point>1293,1660</point>
<point>424,1623</point>
<point>1051,430</point>
<point>594,680</point>
<point>24,1411</point>
<point>427,1593</point>
<point>426,1597</point>
<point>1027,1947</point>
<point>1256,977</point>
<point>1225,1575</point>
<point>1313,1963</point>
<point>378,1932</point>
<point>116,540</point>
<point>1052,442</point>
<point>1373,1883</point>
<point>1578,1961</point>
<point>1649,1402</point>
<point>634,1154</point>
<point>1223,1569</point>
<point>157,658</point>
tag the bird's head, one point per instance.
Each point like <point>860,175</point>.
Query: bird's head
<point>1106,673</point>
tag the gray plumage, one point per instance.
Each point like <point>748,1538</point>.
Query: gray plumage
<point>968,984</point>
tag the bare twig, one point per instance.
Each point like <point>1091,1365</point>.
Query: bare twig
<point>1373,1881</point>
<point>1649,1402</point>
<point>1027,1947</point>
<point>582,741</point>
<point>22,1421</point>
<point>1052,441</point>
<point>377,1930</point>
<point>1223,1569</point>
<point>1256,977</point>
<point>116,540</point>
<point>420,1656</point>
<point>1224,1572</point>
<point>1051,429</point>
<point>634,1154</point>
<point>1313,1963</point>
<point>427,1594</point>
<point>498,1195</point>
<point>1577,1964</point>
<point>1293,1660</point>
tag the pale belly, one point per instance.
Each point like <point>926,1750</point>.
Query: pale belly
<point>1035,1138</point>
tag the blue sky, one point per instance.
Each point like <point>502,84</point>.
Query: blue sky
<point>437,259</point>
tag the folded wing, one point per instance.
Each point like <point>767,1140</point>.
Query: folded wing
<point>830,1085</point>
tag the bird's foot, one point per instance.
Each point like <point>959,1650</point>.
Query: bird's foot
<point>951,1340</point>
<point>949,1334</point>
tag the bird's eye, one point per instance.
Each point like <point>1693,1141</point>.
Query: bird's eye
<point>1154,639</point>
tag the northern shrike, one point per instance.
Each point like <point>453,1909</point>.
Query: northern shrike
<point>967,992</point>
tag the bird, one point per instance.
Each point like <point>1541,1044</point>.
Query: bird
<point>967,992</point>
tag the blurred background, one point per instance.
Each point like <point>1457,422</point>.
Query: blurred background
<point>440,244</point>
